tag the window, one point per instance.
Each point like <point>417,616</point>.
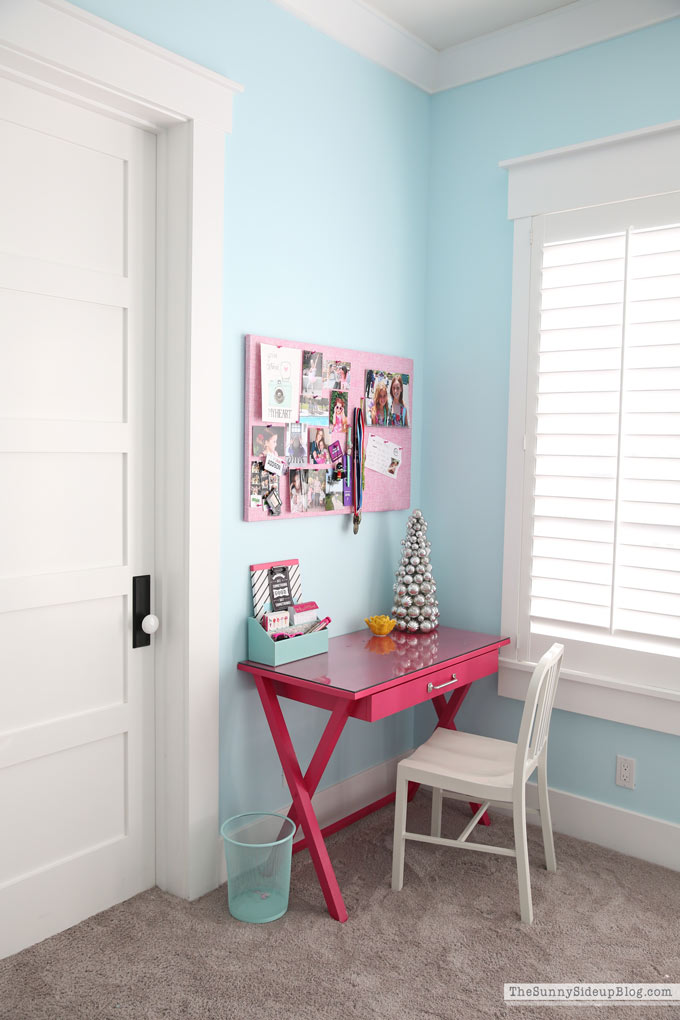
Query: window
<point>592,538</point>
<point>605,551</point>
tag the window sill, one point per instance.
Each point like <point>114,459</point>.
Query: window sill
<point>651,708</point>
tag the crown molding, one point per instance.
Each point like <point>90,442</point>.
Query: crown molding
<point>582,23</point>
<point>371,34</point>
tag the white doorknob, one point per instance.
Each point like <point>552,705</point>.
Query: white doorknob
<point>150,624</point>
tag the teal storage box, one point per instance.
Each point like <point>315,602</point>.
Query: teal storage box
<point>261,648</point>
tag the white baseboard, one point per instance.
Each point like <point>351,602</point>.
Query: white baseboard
<point>648,839</point>
<point>341,799</point>
<point>641,836</point>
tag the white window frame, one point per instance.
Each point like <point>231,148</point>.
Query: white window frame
<point>59,48</point>
<point>635,165</point>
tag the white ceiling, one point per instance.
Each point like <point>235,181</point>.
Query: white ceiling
<point>444,23</point>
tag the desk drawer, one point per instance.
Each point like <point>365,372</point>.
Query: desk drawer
<point>414,692</point>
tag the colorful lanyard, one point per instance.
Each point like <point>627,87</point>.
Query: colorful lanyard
<point>358,465</point>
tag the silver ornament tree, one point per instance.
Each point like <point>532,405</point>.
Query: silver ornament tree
<point>415,606</point>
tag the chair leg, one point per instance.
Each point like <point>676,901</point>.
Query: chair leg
<point>546,822</point>
<point>398,847</point>
<point>436,820</point>
<point>519,818</point>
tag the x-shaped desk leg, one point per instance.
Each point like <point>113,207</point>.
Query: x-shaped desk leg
<point>446,713</point>
<point>302,788</point>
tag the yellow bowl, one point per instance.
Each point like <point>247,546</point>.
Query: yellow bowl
<point>380,625</point>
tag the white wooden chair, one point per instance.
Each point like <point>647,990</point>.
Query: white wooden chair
<point>488,770</point>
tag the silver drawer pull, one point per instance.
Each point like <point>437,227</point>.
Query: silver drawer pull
<point>438,687</point>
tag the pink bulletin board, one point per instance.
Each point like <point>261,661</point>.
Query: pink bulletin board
<point>380,492</point>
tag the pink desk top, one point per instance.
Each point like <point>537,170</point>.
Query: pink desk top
<point>359,661</point>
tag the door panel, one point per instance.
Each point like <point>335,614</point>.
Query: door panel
<point>61,511</point>
<point>77,293</point>
<point>52,677</point>
<point>75,219</point>
<point>43,338</point>
<point>47,826</point>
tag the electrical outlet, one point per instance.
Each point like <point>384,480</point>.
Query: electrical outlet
<point>625,772</point>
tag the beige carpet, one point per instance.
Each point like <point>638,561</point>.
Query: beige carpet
<point>442,948</point>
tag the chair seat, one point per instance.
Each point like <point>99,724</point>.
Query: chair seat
<point>464,763</point>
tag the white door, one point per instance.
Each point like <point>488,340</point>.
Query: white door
<point>77,229</point>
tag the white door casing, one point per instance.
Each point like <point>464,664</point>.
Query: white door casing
<point>77,308</point>
<point>63,50</point>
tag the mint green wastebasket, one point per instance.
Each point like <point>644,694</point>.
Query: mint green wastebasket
<point>258,846</point>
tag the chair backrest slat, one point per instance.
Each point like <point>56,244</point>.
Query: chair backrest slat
<point>533,731</point>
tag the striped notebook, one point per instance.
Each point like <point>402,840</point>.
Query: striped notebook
<point>259,580</point>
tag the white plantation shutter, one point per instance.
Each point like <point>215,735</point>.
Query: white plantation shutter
<point>604,423</point>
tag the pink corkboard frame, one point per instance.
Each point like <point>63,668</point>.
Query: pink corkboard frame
<point>380,492</point>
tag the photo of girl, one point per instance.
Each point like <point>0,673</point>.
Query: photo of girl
<point>337,414</point>
<point>312,373</point>
<point>316,490</point>
<point>378,410</point>
<point>269,439</point>
<point>336,375</point>
<point>398,412</point>
<point>297,444</point>
<point>298,491</point>
<point>318,446</point>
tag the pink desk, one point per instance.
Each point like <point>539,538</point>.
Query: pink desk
<point>364,677</point>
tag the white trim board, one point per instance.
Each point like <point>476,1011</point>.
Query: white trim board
<point>628,832</point>
<point>362,28</point>
<point>56,47</point>
<point>372,34</point>
<point>617,168</point>
<point>646,707</point>
<point>548,35</point>
<point>56,43</point>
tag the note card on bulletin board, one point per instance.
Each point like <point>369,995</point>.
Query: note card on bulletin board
<point>332,382</point>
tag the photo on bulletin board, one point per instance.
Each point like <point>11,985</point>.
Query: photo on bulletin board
<point>336,375</point>
<point>386,397</point>
<point>312,373</point>
<point>398,394</point>
<point>296,450</point>
<point>319,443</point>
<point>377,397</point>
<point>313,410</point>
<point>337,411</point>
<point>255,487</point>
<point>334,492</point>
<point>269,439</point>
<point>316,489</point>
<point>298,490</point>
<point>261,484</point>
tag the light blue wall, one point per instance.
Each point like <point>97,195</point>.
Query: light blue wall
<point>359,212</point>
<point>627,83</point>
<point>326,190</point>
